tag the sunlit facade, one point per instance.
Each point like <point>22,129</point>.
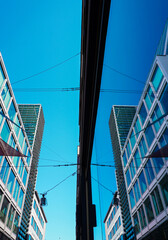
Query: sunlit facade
<point>14,171</point>
<point>147,178</point>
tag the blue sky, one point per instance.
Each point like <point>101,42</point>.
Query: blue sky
<point>36,35</point>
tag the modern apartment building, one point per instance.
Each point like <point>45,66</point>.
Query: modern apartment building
<point>14,170</point>
<point>120,122</point>
<point>147,177</point>
<point>33,119</point>
<point>37,227</point>
<point>113,222</point>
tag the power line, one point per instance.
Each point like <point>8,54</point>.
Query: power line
<point>47,69</point>
<point>102,185</point>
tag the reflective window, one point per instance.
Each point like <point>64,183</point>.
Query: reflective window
<point>20,201</point>
<point>12,111</point>
<point>128,178</point>
<point>1,115</point>
<point>149,135</point>
<point>137,191</point>
<point>142,182</point>
<point>25,177</point>
<point>128,150</point>
<point>149,98</point>
<point>25,148</point>
<point>1,193</point>
<point>136,223</point>
<point>5,131</point>
<point>16,190</point>
<point>157,201</point>
<point>164,138</point>
<point>142,147</point>
<point>2,76</point>
<point>164,188</point>
<point>137,159</point>
<point>16,128</point>
<point>16,161</point>
<point>143,114</point>
<point>12,141</point>
<point>28,157</point>
<point>132,139</point>
<point>6,96</point>
<point>4,209</point>
<point>149,172</point>
<point>16,223</point>
<point>149,210</point>
<point>10,217</point>
<point>4,171</point>
<point>158,162</point>
<point>156,115</point>
<point>21,167</point>
<point>157,78</point>
<point>11,181</point>
<point>137,127</point>
<point>21,138</point>
<point>132,200</point>
<point>132,168</point>
<point>125,159</point>
<point>142,217</point>
<point>163,99</point>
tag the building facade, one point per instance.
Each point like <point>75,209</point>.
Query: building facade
<point>147,177</point>
<point>113,223</point>
<point>37,227</point>
<point>14,171</point>
<point>120,121</point>
<point>33,119</point>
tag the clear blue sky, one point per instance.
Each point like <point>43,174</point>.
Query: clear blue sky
<point>38,34</point>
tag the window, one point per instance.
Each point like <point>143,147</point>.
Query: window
<point>143,114</point>
<point>4,209</point>
<point>164,188</point>
<point>128,178</point>
<point>149,134</point>
<point>21,138</point>
<point>158,162</point>
<point>132,168</point>
<point>16,128</point>
<point>5,131</point>
<point>124,159</point>
<point>12,141</point>
<point>149,210</point>
<point>12,111</point>
<point>128,150</point>
<point>132,200</point>
<point>20,201</point>
<point>157,201</point>
<point>157,78</point>
<point>142,147</point>
<point>2,76</point>
<point>142,217</point>
<point>156,115</point>
<point>1,193</point>
<point>164,140</point>
<point>25,148</point>
<point>16,161</point>
<point>149,172</point>
<point>25,177</point>
<point>136,223</point>
<point>142,182</point>
<point>16,190</point>
<point>149,98</point>
<point>132,139</point>
<point>10,217</point>
<point>4,171</point>
<point>137,191</point>
<point>163,98</point>
<point>21,167</point>
<point>119,221</point>
<point>11,181</point>
<point>6,96</point>
<point>137,127</point>
<point>137,159</point>
<point>16,223</point>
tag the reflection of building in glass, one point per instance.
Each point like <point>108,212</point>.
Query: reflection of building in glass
<point>147,178</point>
<point>33,119</point>
<point>14,171</point>
<point>38,220</point>
<point>113,223</point>
<point>120,121</point>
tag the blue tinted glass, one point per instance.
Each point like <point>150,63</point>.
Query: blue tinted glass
<point>128,178</point>
<point>1,115</point>
<point>149,135</point>
<point>163,99</point>
<point>11,181</point>
<point>142,182</point>
<point>16,190</point>
<point>158,162</point>
<point>143,114</point>
<point>25,148</point>
<point>25,177</point>
<point>16,161</point>
<point>16,129</point>
<point>128,150</point>
<point>2,77</point>
<point>21,167</point>
<point>137,127</point>
<point>132,139</point>
<point>157,78</point>
<point>132,169</point>
<point>4,170</point>
<point>21,138</point>
<point>5,131</point>
<point>137,191</point>
<point>12,141</point>
<point>6,96</point>
<point>137,159</point>
<point>164,139</point>
<point>142,147</point>
<point>124,159</point>
<point>149,98</point>
<point>20,201</point>
<point>12,111</point>
<point>149,172</point>
<point>156,115</point>
<point>132,200</point>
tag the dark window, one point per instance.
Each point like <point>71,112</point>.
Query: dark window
<point>149,210</point>
<point>164,188</point>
